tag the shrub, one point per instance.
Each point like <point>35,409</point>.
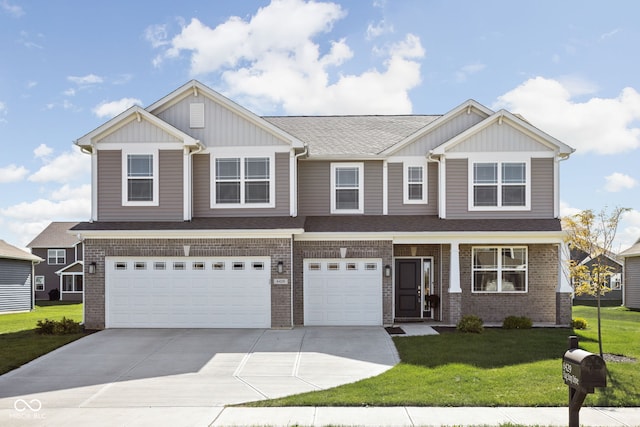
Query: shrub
<point>579,323</point>
<point>515,322</point>
<point>471,324</point>
<point>58,327</point>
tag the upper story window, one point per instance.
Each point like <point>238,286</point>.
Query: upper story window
<point>347,192</point>
<point>245,181</point>
<point>503,185</point>
<point>415,182</point>
<point>140,183</point>
<point>499,269</point>
<point>56,256</point>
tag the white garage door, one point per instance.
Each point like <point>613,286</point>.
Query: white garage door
<point>342,292</point>
<point>159,292</point>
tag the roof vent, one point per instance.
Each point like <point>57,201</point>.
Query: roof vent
<point>196,115</point>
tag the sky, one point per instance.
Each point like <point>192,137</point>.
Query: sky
<point>571,68</point>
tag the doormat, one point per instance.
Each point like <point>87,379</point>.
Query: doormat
<point>394,330</point>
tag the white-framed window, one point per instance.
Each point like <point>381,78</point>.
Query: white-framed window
<point>39,281</point>
<point>140,178</point>
<point>56,256</point>
<point>72,283</point>
<point>415,182</point>
<point>243,181</point>
<point>504,185</point>
<point>347,188</point>
<point>499,269</point>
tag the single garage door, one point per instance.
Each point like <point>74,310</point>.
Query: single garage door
<point>342,292</point>
<point>180,292</point>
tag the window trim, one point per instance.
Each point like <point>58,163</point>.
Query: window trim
<point>154,153</point>
<point>243,180</point>
<point>74,284</point>
<point>39,281</point>
<point>499,161</point>
<point>405,182</point>
<point>360,188</point>
<point>499,270</point>
<point>56,256</point>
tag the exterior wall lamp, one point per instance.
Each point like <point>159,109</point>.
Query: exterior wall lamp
<point>387,270</point>
<point>92,267</point>
<point>280,267</point>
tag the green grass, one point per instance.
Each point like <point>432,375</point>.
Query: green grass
<point>20,344</point>
<point>495,368</point>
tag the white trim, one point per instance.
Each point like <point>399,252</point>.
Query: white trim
<point>186,185</point>
<point>499,161</point>
<point>429,237</point>
<point>500,270</point>
<point>498,154</point>
<point>242,180</point>
<point>454,268</point>
<point>94,185</point>
<point>415,162</point>
<point>136,150</point>
<point>385,187</point>
<point>360,168</point>
<point>284,233</point>
<point>556,187</point>
<point>442,188</point>
<point>247,151</point>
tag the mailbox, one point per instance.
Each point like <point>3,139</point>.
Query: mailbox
<point>583,370</point>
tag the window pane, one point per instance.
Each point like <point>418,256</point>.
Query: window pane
<point>514,281</point>
<point>227,168</point>
<point>78,283</point>
<point>514,258</point>
<point>486,195</point>
<point>256,168</point>
<point>485,281</point>
<point>485,258</point>
<point>67,283</point>
<point>140,165</point>
<point>513,173</point>
<point>256,192</point>
<point>227,192</point>
<point>347,177</point>
<point>140,190</point>
<point>414,174</point>
<point>513,195</point>
<point>346,199</point>
<point>485,173</point>
<point>415,191</point>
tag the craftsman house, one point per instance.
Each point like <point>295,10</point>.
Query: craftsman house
<point>207,215</point>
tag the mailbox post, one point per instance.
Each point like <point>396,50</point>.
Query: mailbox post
<point>582,372</point>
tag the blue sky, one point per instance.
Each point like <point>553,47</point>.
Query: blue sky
<point>569,67</point>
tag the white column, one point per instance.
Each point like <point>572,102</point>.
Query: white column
<point>563,269</point>
<point>385,188</point>
<point>94,184</point>
<point>454,269</point>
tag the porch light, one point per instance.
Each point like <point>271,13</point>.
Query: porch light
<point>387,270</point>
<point>92,267</point>
<point>280,267</point>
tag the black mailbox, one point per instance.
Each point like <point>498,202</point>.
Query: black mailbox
<point>583,370</point>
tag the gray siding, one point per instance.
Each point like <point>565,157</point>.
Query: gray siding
<point>142,131</point>
<point>541,192</point>
<point>632,282</point>
<point>51,279</point>
<point>499,138</point>
<point>15,285</point>
<point>373,188</point>
<point>202,190</point>
<point>442,133</point>
<point>222,127</point>
<point>170,175</point>
<point>395,173</point>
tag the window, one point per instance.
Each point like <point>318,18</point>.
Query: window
<point>71,283</point>
<point>198,265</point>
<point>120,265</point>
<point>499,269</point>
<point>347,191</point>
<point>499,185</point>
<point>140,265</point>
<point>39,283</point>
<point>159,265</point>
<point>237,265</point>
<point>179,266</point>
<point>415,189</point>
<point>243,181</point>
<point>140,183</point>
<point>56,256</point>
<point>218,265</point>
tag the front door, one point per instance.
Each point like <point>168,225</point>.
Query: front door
<point>408,287</point>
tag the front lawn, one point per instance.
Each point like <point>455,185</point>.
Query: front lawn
<point>20,344</point>
<point>496,368</point>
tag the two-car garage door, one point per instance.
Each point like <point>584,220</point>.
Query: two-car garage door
<point>181,292</point>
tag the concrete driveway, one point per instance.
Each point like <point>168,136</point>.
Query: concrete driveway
<point>182,368</point>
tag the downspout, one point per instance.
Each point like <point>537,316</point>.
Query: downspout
<point>556,183</point>
<point>189,178</point>
<point>442,193</point>
<point>294,210</point>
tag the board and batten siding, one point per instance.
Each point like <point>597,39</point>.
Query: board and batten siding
<point>139,131</point>
<point>202,181</point>
<point>499,139</point>
<point>632,282</point>
<point>541,192</point>
<point>15,285</point>
<point>222,127</point>
<point>170,165</point>
<point>397,206</point>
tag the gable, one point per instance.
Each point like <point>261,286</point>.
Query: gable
<point>139,131</point>
<point>499,138</point>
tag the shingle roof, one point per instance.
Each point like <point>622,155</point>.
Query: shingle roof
<point>8,251</point>
<point>55,236</point>
<point>350,135</point>
<point>632,251</point>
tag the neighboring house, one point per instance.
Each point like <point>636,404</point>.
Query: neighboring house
<point>614,282</point>
<point>16,273</point>
<point>63,267</point>
<point>631,276</point>
<point>207,215</point>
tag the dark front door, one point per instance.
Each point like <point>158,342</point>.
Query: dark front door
<point>408,288</point>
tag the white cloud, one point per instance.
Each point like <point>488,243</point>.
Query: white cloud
<point>376,30</point>
<point>42,151</point>
<point>567,210</point>
<point>113,108</point>
<point>618,181</point>
<point>463,73</point>
<point>31,84</point>
<point>12,9</point>
<point>269,63</point>
<point>156,35</point>
<point>629,231</point>
<point>3,112</point>
<point>12,173</point>
<point>610,33</point>
<point>70,92</point>
<point>66,192</point>
<point>67,167</point>
<point>89,79</point>
<point>601,125</point>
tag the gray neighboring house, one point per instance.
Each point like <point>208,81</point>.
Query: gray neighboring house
<point>631,276</point>
<point>614,296</point>
<point>16,273</point>
<point>63,267</point>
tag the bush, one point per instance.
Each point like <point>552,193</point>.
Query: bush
<point>515,322</point>
<point>58,327</point>
<point>579,323</point>
<point>471,324</point>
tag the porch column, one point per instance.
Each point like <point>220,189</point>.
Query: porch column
<point>454,269</point>
<point>564,290</point>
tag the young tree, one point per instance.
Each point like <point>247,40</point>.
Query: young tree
<point>592,233</point>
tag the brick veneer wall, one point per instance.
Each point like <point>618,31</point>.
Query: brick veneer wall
<point>97,249</point>
<point>564,308</point>
<point>331,249</point>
